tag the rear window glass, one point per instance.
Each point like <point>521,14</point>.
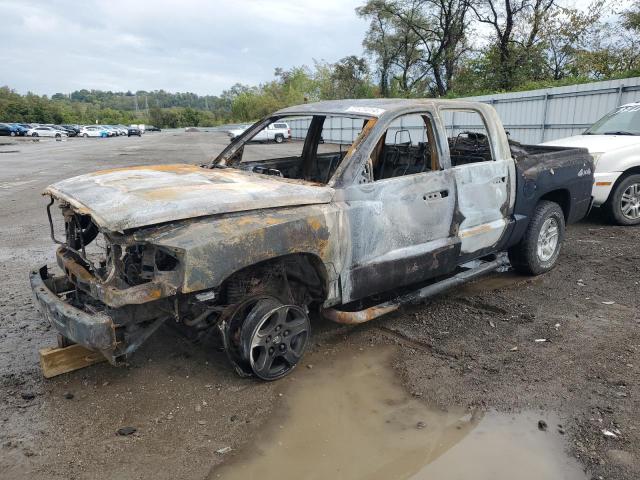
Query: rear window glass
<point>280,125</point>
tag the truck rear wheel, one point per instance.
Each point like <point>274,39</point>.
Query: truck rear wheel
<point>539,249</point>
<point>624,203</point>
<point>279,138</point>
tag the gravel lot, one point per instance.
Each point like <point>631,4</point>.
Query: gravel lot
<point>186,402</point>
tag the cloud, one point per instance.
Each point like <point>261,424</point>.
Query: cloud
<point>193,45</point>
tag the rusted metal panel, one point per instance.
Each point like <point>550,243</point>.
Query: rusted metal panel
<point>126,198</point>
<point>391,220</point>
<point>360,316</point>
<point>214,248</point>
<point>95,331</point>
<point>367,314</point>
<point>106,292</point>
<point>484,190</point>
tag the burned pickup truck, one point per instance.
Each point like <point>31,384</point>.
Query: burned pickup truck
<point>379,203</point>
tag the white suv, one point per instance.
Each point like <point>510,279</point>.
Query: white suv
<point>614,143</point>
<point>275,132</point>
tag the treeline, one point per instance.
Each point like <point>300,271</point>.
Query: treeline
<point>454,48</point>
<point>89,107</point>
<point>464,47</point>
<point>413,48</point>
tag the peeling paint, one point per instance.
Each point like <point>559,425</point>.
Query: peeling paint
<point>175,230</point>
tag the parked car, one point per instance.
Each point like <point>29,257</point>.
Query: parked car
<point>121,129</point>
<point>276,132</point>
<point>93,131</point>
<point>134,131</point>
<point>6,130</point>
<point>69,131</point>
<point>17,129</point>
<point>151,128</point>
<point>74,128</point>
<point>614,143</point>
<point>237,131</point>
<point>250,246</point>
<point>111,132</point>
<point>46,131</point>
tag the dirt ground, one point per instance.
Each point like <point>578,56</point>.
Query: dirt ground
<point>474,347</point>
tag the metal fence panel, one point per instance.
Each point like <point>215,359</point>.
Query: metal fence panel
<point>530,117</point>
<point>547,114</point>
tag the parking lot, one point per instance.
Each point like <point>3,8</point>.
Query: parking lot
<point>563,346</point>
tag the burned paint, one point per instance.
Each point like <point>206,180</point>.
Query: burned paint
<point>123,199</point>
<point>229,228</point>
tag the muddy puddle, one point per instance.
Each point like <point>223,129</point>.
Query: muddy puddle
<point>349,418</point>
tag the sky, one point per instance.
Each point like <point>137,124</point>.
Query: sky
<point>189,45</point>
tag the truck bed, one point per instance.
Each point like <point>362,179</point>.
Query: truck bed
<point>563,175</point>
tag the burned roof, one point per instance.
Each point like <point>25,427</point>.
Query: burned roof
<point>369,107</point>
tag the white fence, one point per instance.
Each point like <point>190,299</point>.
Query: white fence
<point>530,117</point>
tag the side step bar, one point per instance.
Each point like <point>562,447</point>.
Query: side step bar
<point>473,270</point>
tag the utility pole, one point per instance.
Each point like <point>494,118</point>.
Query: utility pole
<point>135,99</point>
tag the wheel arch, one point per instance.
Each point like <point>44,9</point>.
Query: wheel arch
<point>562,197</point>
<point>301,268</point>
<point>609,204</point>
<point>635,170</point>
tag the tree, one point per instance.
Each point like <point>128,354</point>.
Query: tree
<point>565,35</point>
<point>515,28</point>
<point>631,17</point>
<point>440,27</point>
<point>350,78</point>
<point>190,117</point>
<point>381,40</point>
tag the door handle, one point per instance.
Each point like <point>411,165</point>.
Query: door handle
<point>435,195</point>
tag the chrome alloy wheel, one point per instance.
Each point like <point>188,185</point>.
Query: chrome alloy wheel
<point>630,202</point>
<point>548,239</point>
<point>274,339</point>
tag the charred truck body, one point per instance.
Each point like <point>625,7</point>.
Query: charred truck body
<point>408,204</point>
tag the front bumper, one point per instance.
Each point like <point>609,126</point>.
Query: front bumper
<point>93,331</point>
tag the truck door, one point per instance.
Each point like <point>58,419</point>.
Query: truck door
<point>399,218</point>
<point>483,180</point>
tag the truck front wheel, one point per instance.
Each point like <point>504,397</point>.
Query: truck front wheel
<point>539,249</point>
<point>624,203</point>
<point>266,337</point>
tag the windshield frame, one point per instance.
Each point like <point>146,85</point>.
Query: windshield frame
<point>223,159</point>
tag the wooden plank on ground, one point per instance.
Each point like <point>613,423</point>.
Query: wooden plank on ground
<point>56,361</point>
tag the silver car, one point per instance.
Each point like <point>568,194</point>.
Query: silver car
<point>43,131</point>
